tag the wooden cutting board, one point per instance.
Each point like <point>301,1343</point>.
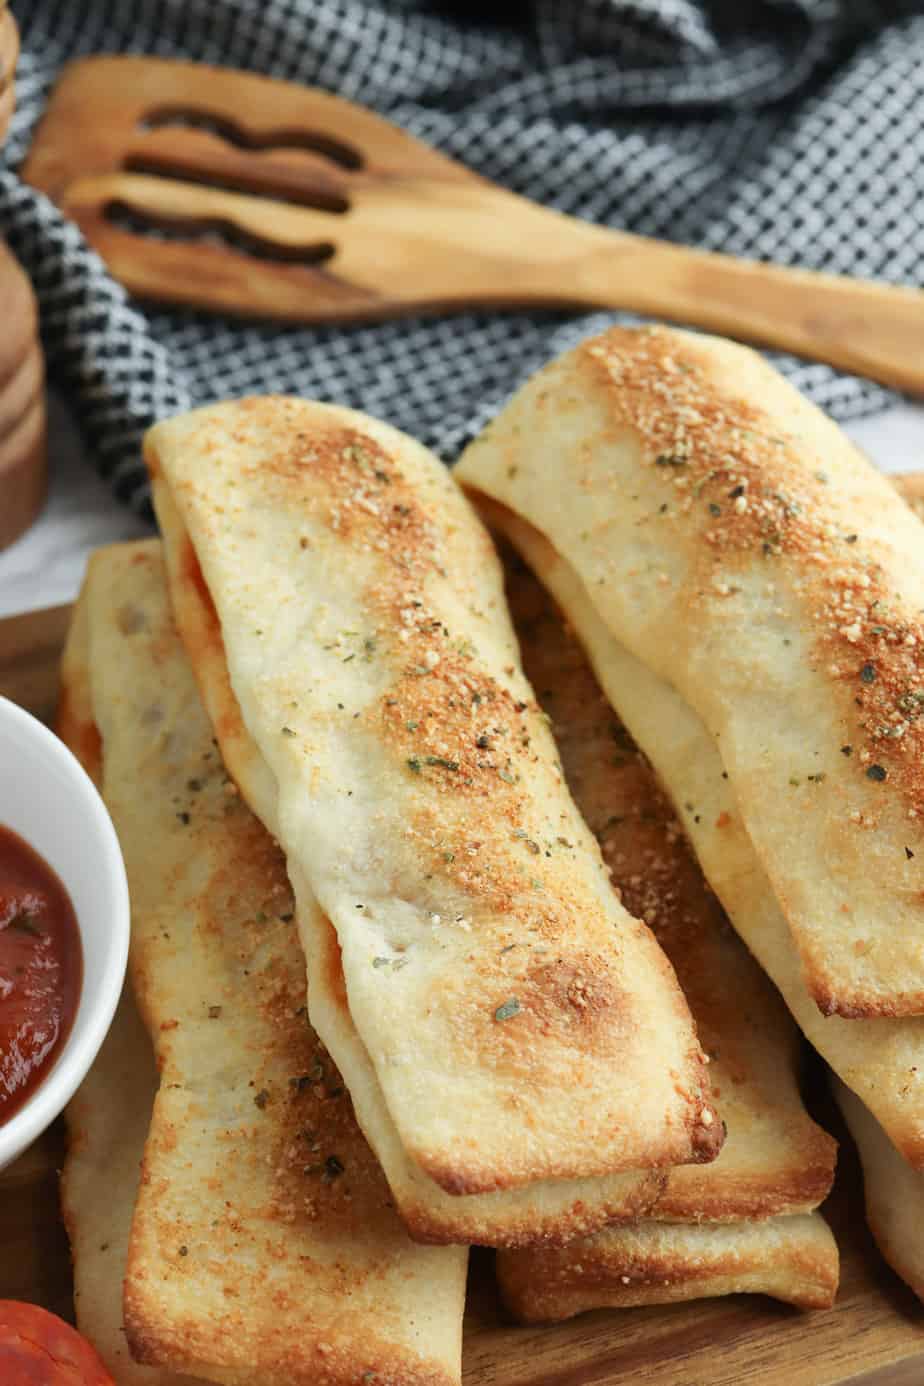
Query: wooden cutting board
<point>874,1336</point>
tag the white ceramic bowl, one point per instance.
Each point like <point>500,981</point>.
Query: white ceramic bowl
<point>48,799</point>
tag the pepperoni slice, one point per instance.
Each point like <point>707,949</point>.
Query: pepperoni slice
<point>39,1349</point>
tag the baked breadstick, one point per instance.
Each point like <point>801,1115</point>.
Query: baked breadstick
<point>881,1060</point>
<point>109,1115</point>
<point>791,1258</point>
<point>701,1238</point>
<point>260,1203</point>
<point>732,539</point>
<point>501,1021</point>
<point>775,1159</point>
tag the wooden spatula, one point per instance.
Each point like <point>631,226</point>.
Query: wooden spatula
<point>226,190</point>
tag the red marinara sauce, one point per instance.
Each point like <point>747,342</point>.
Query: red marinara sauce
<point>41,968</point>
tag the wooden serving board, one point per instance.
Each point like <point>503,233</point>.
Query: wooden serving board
<point>9,52</point>
<point>874,1336</point>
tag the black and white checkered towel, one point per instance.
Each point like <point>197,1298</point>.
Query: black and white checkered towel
<point>790,130</point>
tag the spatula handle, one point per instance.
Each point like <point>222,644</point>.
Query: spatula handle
<point>874,329</point>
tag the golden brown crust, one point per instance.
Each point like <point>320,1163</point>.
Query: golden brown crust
<point>415,709</point>
<point>763,499</point>
<point>579,1218</point>
<point>880,1059</point>
<point>554,1215</point>
<point>792,1258</point>
<point>287,1362</point>
<point>264,1244</point>
<point>696,494</point>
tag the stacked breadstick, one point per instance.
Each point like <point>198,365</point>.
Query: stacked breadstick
<point>231,1216</point>
<point>514,1044</point>
<point>744,1222</point>
<point>528,1022</point>
<point>748,590</point>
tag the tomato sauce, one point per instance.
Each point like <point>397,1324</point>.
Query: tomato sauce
<point>41,969</point>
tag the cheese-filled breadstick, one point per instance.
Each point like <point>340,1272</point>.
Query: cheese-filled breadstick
<point>730,537</point>
<point>500,1019</point>
<point>264,1244</point>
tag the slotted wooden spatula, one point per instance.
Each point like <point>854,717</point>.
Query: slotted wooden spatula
<point>226,190</point>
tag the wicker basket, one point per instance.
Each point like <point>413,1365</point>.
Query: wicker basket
<point>22,367</point>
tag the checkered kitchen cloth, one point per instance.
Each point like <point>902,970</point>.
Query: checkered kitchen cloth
<point>781,129</point>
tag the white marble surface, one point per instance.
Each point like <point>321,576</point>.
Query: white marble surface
<point>46,565</point>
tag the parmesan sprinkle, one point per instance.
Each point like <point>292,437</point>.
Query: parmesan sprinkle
<point>754,498</point>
